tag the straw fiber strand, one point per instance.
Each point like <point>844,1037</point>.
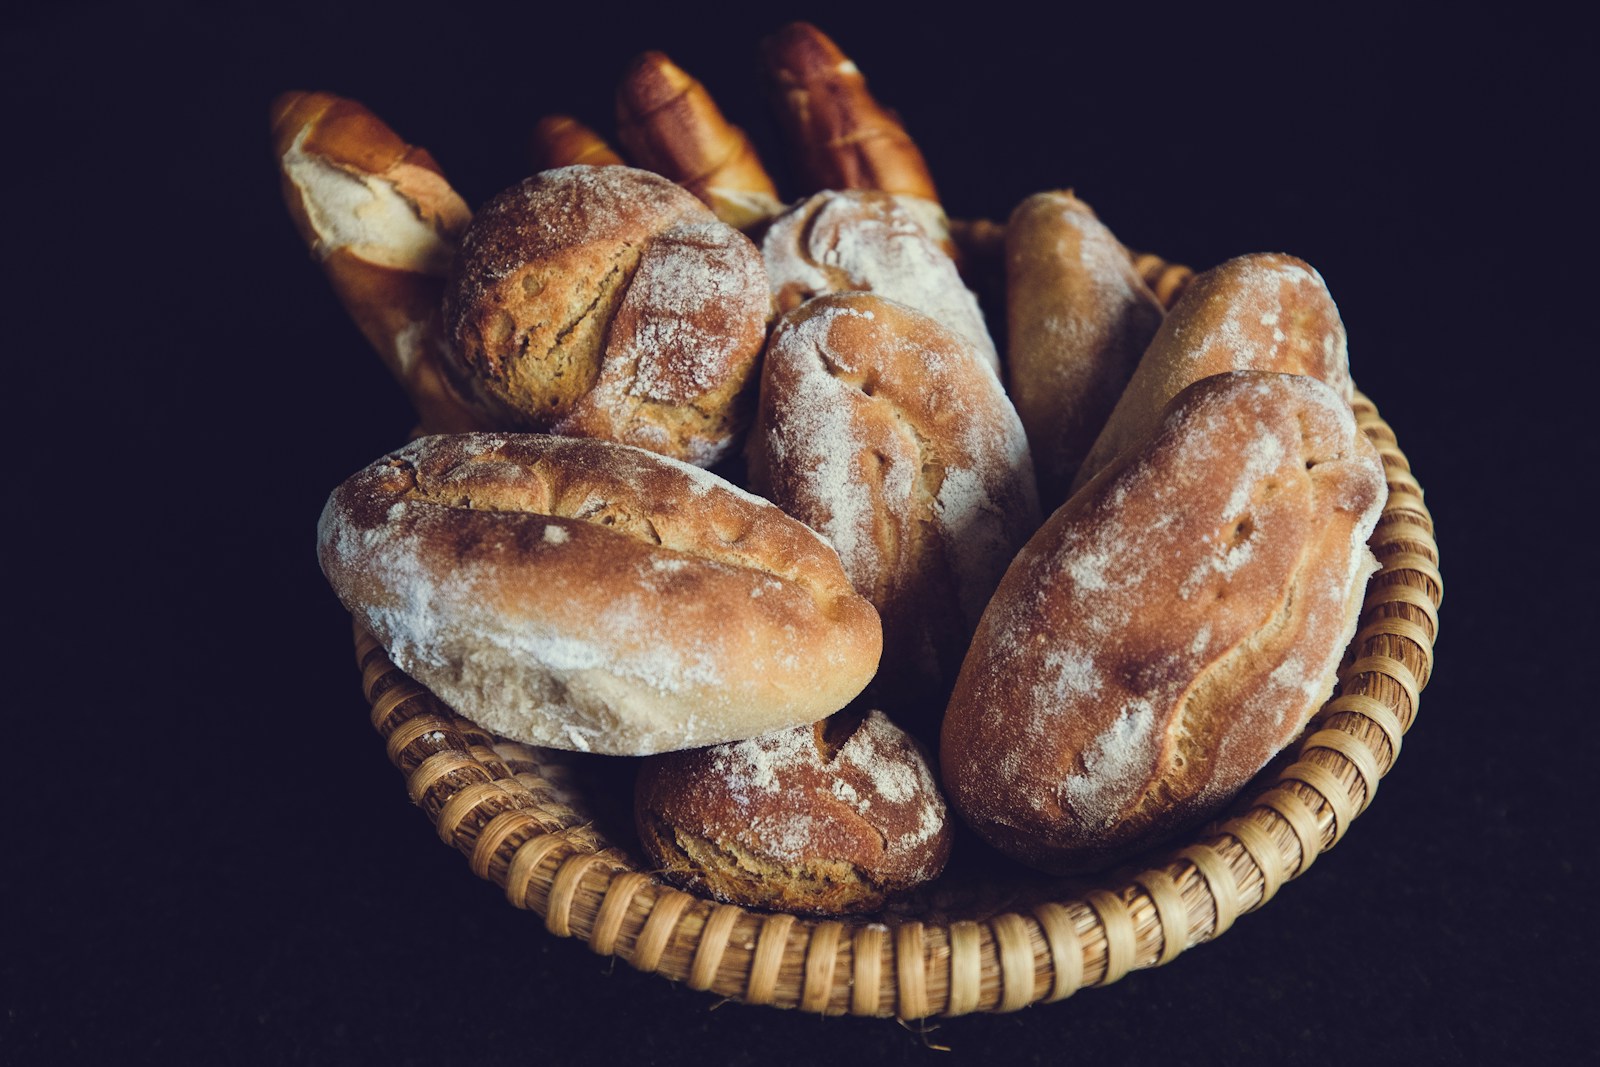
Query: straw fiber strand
<point>518,814</point>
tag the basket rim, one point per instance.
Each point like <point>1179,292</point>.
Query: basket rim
<point>511,809</point>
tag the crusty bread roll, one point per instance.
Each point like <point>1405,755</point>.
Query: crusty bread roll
<point>867,241</point>
<point>880,429</point>
<point>1267,312</point>
<point>1078,319</point>
<point>380,217</point>
<point>608,302</point>
<point>825,819</point>
<point>1170,628</point>
<point>562,141</point>
<point>585,595</point>
<point>668,123</point>
<point>839,135</point>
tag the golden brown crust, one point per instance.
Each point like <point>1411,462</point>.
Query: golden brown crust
<point>668,123</point>
<point>1266,312</point>
<point>1170,628</point>
<point>841,136</point>
<point>887,434</point>
<point>563,141</point>
<point>586,595</point>
<point>797,820</point>
<point>1078,319</point>
<point>380,217</point>
<point>608,302</point>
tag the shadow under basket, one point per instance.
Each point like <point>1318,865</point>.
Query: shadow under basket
<point>524,820</point>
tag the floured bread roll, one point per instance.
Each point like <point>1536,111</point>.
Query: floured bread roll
<point>878,428</point>
<point>1267,312</point>
<point>1078,319</point>
<point>826,819</point>
<point>586,595</point>
<point>1169,629</point>
<point>608,302</point>
<point>863,240</point>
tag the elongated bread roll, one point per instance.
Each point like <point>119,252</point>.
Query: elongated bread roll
<point>1170,628</point>
<point>863,240</point>
<point>379,216</point>
<point>608,302</point>
<point>1079,318</point>
<point>586,595</point>
<point>1267,312</point>
<point>562,141</point>
<point>668,123</point>
<point>880,429</point>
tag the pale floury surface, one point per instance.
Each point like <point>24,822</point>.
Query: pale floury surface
<point>585,595</point>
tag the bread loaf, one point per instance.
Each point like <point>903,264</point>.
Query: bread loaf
<point>607,302</point>
<point>1170,628</point>
<point>879,428</point>
<point>1266,312</point>
<point>867,241</point>
<point>669,124</point>
<point>825,819</point>
<point>384,223</point>
<point>585,595</point>
<point>1078,319</point>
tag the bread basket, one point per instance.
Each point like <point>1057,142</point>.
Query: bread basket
<point>523,817</point>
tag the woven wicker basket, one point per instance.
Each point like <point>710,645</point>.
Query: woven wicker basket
<point>521,816</point>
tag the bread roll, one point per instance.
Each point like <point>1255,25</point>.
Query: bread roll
<point>1079,318</point>
<point>607,302</point>
<point>878,428</point>
<point>1170,628</point>
<point>669,124</point>
<point>866,241</point>
<point>1267,312</point>
<point>384,223</point>
<point>824,819</point>
<point>585,595</point>
<point>563,141</point>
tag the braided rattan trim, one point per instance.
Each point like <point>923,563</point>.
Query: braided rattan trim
<point>518,814</point>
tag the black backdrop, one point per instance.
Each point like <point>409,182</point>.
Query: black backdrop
<point>210,858</point>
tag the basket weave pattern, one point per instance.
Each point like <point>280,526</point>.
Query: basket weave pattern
<point>517,813</point>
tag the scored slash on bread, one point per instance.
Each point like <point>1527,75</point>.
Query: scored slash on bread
<point>668,123</point>
<point>384,223</point>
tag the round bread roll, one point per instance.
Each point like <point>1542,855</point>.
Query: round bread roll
<point>879,429</point>
<point>585,595</point>
<point>1079,317</point>
<point>862,240</point>
<point>608,302</point>
<point>1267,312</point>
<point>1170,628</point>
<point>826,819</point>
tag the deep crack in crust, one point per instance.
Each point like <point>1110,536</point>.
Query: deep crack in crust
<point>607,302</point>
<point>1171,628</point>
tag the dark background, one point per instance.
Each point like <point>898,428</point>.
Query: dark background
<point>209,857</point>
